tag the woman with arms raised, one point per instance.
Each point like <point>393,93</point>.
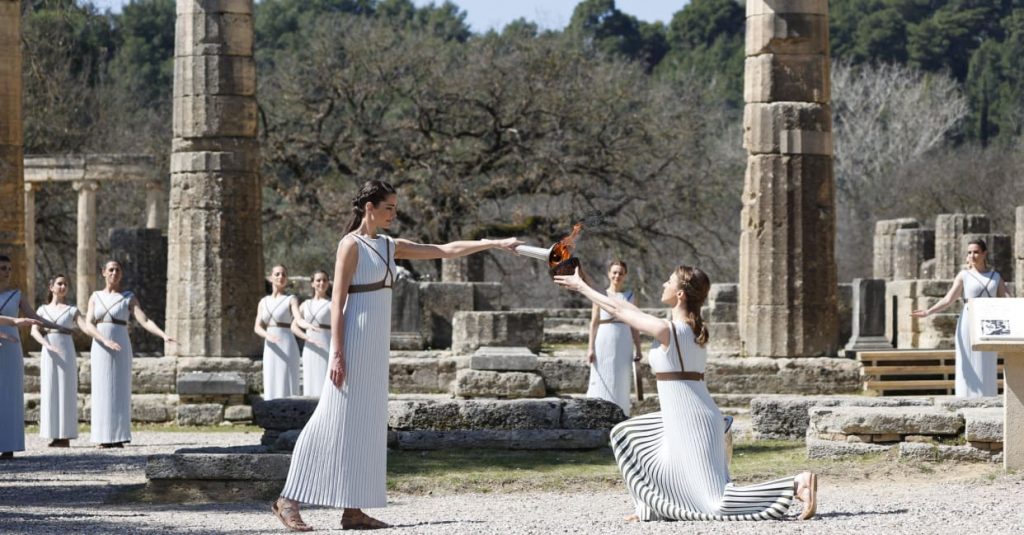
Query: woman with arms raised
<point>339,457</point>
<point>674,461</point>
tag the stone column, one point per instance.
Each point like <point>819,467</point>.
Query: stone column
<point>885,238</point>
<point>1018,251</point>
<point>30,241</point>
<point>787,262</point>
<point>911,247</point>
<point>868,317</point>
<point>463,269</point>
<point>949,252</point>
<point>156,204</point>
<point>12,170</point>
<point>215,251</point>
<point>85,266</point>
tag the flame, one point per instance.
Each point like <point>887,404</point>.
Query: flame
<point>563,249</point>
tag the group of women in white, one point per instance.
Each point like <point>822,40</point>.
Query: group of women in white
<point>53,323</point>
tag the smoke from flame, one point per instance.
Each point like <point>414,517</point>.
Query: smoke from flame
<point>563,249</point>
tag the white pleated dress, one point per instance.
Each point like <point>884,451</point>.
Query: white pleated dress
<point>12,378</point>
<point>975,370</point>
<point>314,357</point>
<point>280,361</point>
<point>674,462</point>
<point>58,376</point>
<point>340,456</point>
<point>111,371</point>
<point>611,375</point>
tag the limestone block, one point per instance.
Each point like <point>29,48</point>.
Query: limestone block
<point>149,375</point>
<point>952,403</point>
<point>439,301</point>
<point>819,375</point>
<point>786,33</point>
<point>528,439</point>
<point>983,425</point>
<point>931,452</point>
<point>911,247</point>
<point>885,420</point>
<point>829,449</point>
<point>503,359</point>
<point>810,7</point>
<point>213,34</point>
<point>153,408</point>
<point>564,375</point>
<point>884,242</point>
<point>949,253</point>
<point>1000,251</point>
<point>31,373</point>
<point>410,375</point>
<point>406,341</point>
<point>238,413</point>
<point>214,6</point>
<point>226,466</point>
<point>786,78</point>
<point>249,369</point>
<point>786,417</point>
<point>590,413</point>
<point>474,329</point>
<point>724,338</point>
<point>787,128</point>
<point>724,292</point>
<point>208,161</point>
<point>720,313</point>
<point>474,383</point>
<point>214,75</point>
<point>284,413</point>
<point>214,116</point>
<point>927,270</point>
<point>405,306</point>
<point>463,269</point>
<point>286,440</point>
<point>487,296</point>
<point>200,414</point>
<point>475,414</point>
<point>205,383</point>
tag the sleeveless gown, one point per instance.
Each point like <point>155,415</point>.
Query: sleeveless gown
<point>975,370</point>
<point>12,378</point>
<point>611,375</point>
<point>674,461</point>
<point>280,361</point>
<point>58,377</point>
<point>340,456</point>
<point>314,357</point>
<point>111,371</point>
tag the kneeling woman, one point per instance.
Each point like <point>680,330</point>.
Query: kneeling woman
<point>673,461</point>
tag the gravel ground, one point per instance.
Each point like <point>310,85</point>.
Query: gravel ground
<point>66,491</point>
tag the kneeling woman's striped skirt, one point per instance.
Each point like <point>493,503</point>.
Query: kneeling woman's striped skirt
<point>688,479</point>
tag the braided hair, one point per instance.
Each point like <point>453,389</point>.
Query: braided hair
<point>695,284</point>
<point>373,191</point>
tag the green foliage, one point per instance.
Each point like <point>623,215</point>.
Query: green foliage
<point>706,44</point>
<point>145,60</point>
<point>598,25</point>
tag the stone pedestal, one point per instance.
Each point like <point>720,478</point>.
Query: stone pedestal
<point>143,256</point>
<point>12,172</point>
<point>868,317</point>
<point>787,298</point>
<point>949,250</point>
<point>884,244</point>
<point>911,247</point>
<point>85,264</point>
<point>215,243</point>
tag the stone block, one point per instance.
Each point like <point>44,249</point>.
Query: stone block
<point>151,408</point>
<point>927,269</point>
<point>952,403</point>
<point>488,296</point>
<point>475,414</point>
<point>911,247</point>
<point>285,441</point>
<point>787,417</point>
<point>809,7</point>
<point>409,375</point>
<point>214,466</point>
<point>724,339</point>
<point>214,6</point>
<point>284,413</point>
<point>727,292</point>
<point>983,425</point>
<point>564,375</point>
<point>503,359</point>
<point>936,453</point>
<point>720,313</point>
<point>528,439</point>
<point>439,302</point>
<point>473,329</point>
<point>406,341</point>
<point>200,414</point>
<point>590,413</point>
<point>885,420</point>
<point>463,269</point>
<point>830,449</point>
<point>213,34</point>
<point>215,383</point>
<point>214,75</point>
<point>786,78</point>
<point>405,306</point>
<point>786,33</point>
<point>787,128</point>
<point>207,161</point>
<point>238,413</point>
<point>473,384</point>
<point>949,228</point>
<point>884,243</point>
<point>215,116</point>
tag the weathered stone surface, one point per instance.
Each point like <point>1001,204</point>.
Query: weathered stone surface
<point>983,425</point>
<point>284,413</point>
<point>590,413</point>
<point>949,228</point>
<point>238,413</point>
<point>786,78</point>
<point>285,440</point>
<point>952,403</point>
<point>724,292</point>
<point>724,338</point>
<point>474,329</point>
<point>786,33</point>
<point>528,439</point>
<point>463,269</point>
<point>149,375</point>
<point>933,452</point>
<point>884,420</point>
<point>503,359</point>
<point>203,383</point>
<point>831,449</point>
<point>152,408</point>
<point>410,375</point>
<point>884,243</point>
<point>200,414</point>
<point>405,306</point>
<point>1018,245</point>
<point>809,7</point>
<point>772,376</point>
<point>250,369</point>
<point>406,341</point>
<point>218,466</point>
<point>478,414</point>
<point>787,128</point>
<point>911,247</point>
<point>868,326</point>
<point>439,302</point>
<point>488,296</point>
<point>787,417</point>
<point>564,375</point>
<point>474,384</point>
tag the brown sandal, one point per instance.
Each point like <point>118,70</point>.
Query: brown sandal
<point>811,501</point>
<point>289,516</point>
<point>361,520</point>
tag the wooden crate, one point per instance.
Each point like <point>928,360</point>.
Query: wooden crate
<point>912,371</point>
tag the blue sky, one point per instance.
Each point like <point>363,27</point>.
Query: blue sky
<point>483,15</point>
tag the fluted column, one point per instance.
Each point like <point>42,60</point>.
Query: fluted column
<point>156,204</point>
<point>788,290</point>
<point>12,170</point>
<point>215,253</point>
<point>85,265</point>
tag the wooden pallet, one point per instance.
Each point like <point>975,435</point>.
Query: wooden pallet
<point>912,371</point>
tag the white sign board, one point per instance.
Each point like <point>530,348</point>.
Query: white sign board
<point>996,324</point>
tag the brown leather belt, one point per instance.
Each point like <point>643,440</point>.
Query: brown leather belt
<point>372,287</point>
<point>602,322</point>
<point>325,326</point>
<point>679,376</point>
<point>281,325</point>
<point>114,321</point>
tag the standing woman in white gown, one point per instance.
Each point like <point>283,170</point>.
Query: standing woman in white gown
<point>110,310</point>
<point>12,361</point>
<point>340,456</point>
<point>274,318</point>
<point>674,461</point>
<point>975,370</point>
<point>316,311</point>
<point>612,346</point>
<point>58,365</point>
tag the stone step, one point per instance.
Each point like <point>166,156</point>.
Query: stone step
<point>556,323</point>
<point>906,354</point>
<point>562,335</point>
<point>983,425</point>
<point>897,421</point>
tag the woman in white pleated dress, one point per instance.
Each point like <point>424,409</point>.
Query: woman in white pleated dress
<point>612,346</point>
<point>674,461</point>
<point>274,318</point>
<point>975,370</point>
<point>340,456</point>
<point>317,313</point>
<point>58,365</point>
<point>12,361</point>
<point>110,310</point>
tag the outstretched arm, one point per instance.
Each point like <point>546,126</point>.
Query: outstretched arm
<point>629,313</point>
<point>27,311</point>
<point>943,304</point>
<point>409,250</point>
<point>148,324</point>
